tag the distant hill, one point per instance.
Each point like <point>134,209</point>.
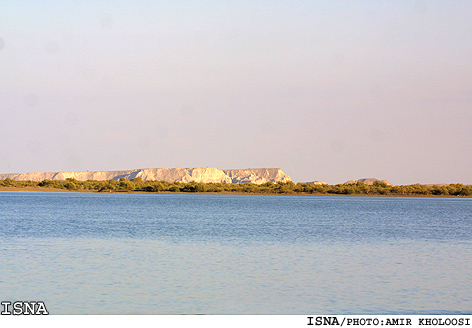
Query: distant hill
<point>199,174</point>
<point>316,182</point>
<point>368,181</point>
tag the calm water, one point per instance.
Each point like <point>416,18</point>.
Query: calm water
<point>90,253</point>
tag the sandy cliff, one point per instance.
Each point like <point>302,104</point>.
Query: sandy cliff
<point>316,182</point>
<point>368,181</point>
<point>199,174</point>
<point>258,176</point>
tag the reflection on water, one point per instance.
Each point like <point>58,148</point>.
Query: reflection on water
<point>154,254</point>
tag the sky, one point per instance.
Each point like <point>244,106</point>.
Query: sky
<point>325,90</point>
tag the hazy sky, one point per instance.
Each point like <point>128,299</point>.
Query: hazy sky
<point>326,90</point>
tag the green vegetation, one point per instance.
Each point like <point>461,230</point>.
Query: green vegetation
<point>287,188</point>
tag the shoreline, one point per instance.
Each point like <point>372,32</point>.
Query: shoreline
<point>52,190</point>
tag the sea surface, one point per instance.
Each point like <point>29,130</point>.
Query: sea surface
<point>121,253</point>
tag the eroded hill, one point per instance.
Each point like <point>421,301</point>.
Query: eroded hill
<point>199,174</point>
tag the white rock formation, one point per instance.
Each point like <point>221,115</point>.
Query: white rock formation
<point>258,176</point>
<point>316,183</point>
<point>368,181</point>
<point>199,174</point>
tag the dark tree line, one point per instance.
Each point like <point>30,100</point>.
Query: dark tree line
<point>289,188</point>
